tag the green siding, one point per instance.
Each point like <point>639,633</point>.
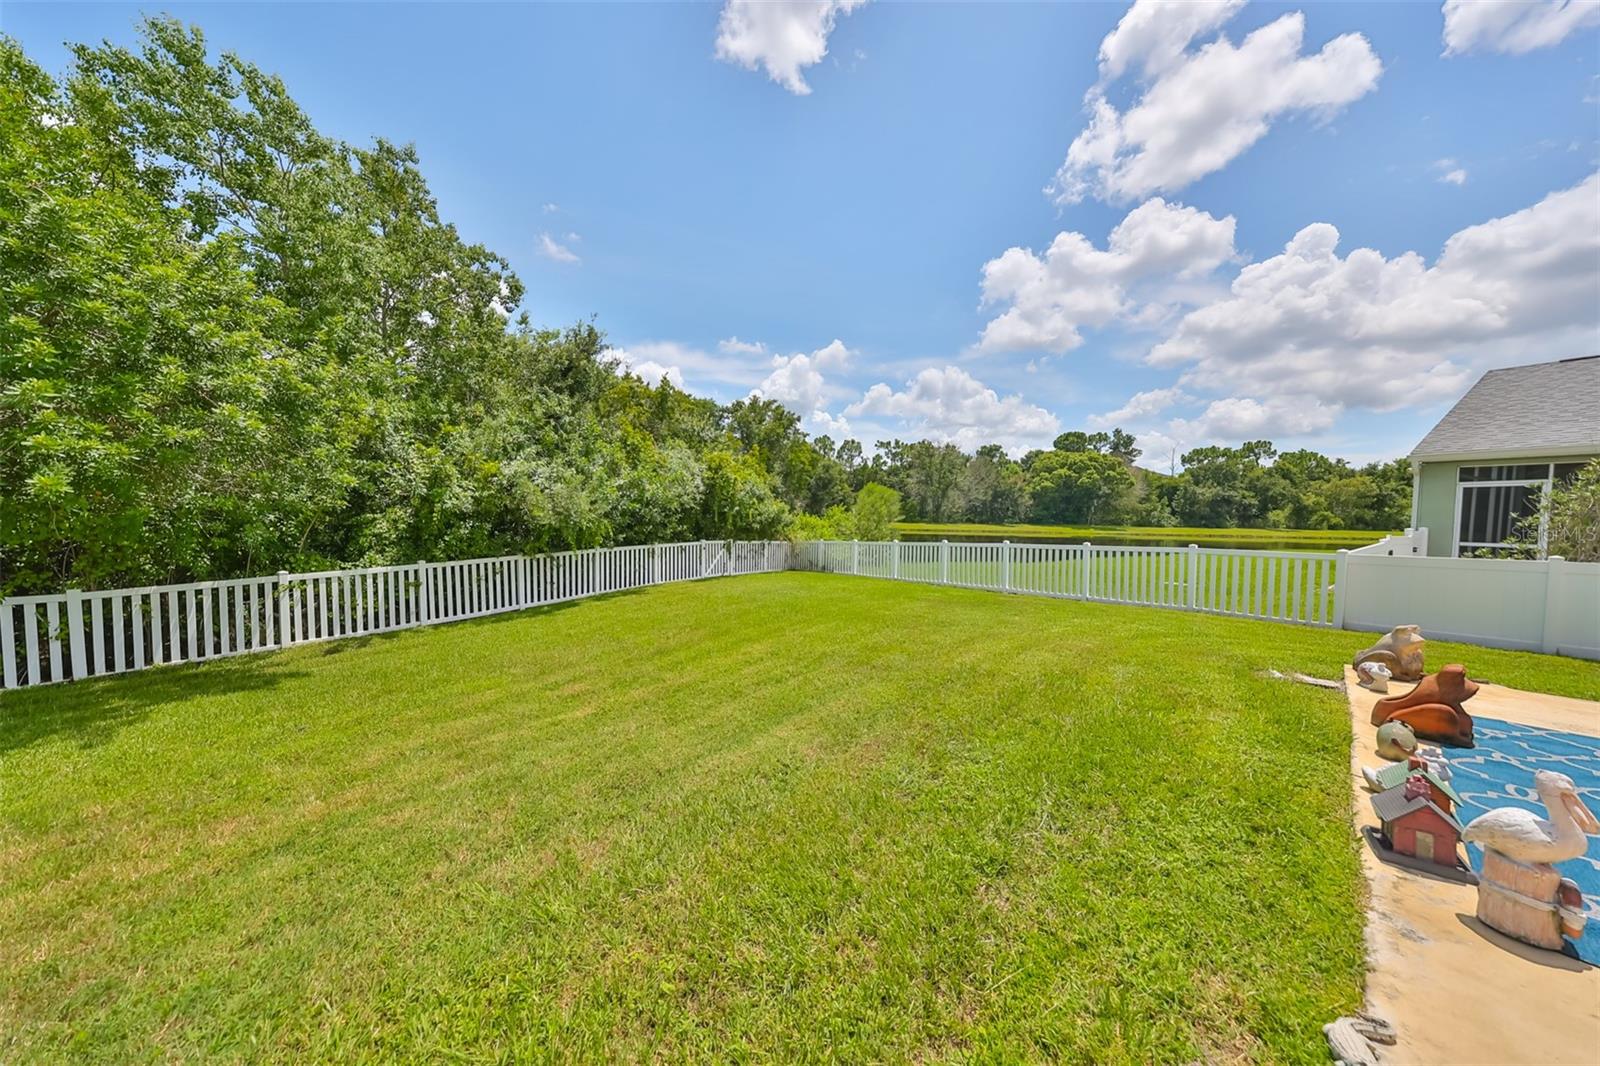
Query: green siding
<point>1436,496</point>
<point>1436,505</point>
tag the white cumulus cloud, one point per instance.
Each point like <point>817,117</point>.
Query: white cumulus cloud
<point>949,404</point>
<point>1382,332</point>
<point>835,426</point>
<point>1139,406</point>
<point>783,36</point>
<point>1241,418</point>
<point>797,381</point>
<point>1513,26</point>
<point>833,355</point>
<point>1154,36</point>
<point>649,369</point>
<point>1048,299</point>
<point>733,345</point>
<point>551,248</point>
<point>1449,172</point>
<point>1201,109</point>
<point>679,361</point>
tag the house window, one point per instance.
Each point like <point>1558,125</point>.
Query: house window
<point>1492,501</point>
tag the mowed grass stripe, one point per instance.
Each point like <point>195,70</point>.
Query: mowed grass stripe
<point>793,815</point>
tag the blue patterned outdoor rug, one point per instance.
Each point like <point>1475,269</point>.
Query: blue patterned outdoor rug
<point>1499,773</point>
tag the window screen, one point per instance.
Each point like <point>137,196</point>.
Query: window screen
<point>1489,513</point>
<point>1527,472</point>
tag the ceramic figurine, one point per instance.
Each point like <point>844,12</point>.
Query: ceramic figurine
<point>1418,817</point>
<point>1382,779</point>
<point>1524,836</point>
<point>1519,892</point>
<point>1433,709</point>
<point>1396,741</point>
<point>1433,758</point>
<point>1373,675</point>
<point>1400,650</point>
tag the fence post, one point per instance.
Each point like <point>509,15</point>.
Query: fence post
<point>283,609</point>
<point>1087,571</point>
<point>74,634</point>
<point>894,560</point>
<point>1341,583</point>
<point>1552,584</point>
<point>1005,565</point>
<point>944,562</point>
<point>425,594</point>
<point>1194,575</point>
<point>855,557</point>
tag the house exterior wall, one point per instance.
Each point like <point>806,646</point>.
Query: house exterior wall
<point>1436,494</point>
<point>1436,505</point>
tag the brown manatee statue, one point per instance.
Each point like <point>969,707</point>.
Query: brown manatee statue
<point>1400,650</point>
<point>1433,709</point>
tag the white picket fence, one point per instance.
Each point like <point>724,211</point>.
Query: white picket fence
<point>1546,605</point>
<point>1297,587</point>
<point>79,634</point>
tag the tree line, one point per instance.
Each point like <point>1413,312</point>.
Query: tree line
<point>1093,478</point>
<point>232,344</point>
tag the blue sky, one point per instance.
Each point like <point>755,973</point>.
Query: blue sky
<point>1012,219</point>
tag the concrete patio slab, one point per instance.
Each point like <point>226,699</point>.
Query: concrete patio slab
<point>1455,990</point>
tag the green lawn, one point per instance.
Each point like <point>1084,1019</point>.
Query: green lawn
<point>1279,539</point>
<point>792,816</point>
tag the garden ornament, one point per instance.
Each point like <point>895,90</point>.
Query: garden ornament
<point>1374,675</point>
<point>1400,650</point>
<point>1383,778</point>
<point>1433,709</point>
<point>1433,758</point>
<point>1353,1039</point>
<point>1520,892</point>
<point>1396,741</point>
<point>1522,835</point>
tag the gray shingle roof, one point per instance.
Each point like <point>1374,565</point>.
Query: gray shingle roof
<point>1522,410</point>
<point>1393,804</point>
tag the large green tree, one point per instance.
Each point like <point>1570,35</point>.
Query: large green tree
<point>233,344</point>
<point>1076,486</point>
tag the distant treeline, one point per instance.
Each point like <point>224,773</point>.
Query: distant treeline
<point>231,344</point>
<point>1092,479</point>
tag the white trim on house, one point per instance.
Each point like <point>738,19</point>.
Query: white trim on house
<point>1416,490</point>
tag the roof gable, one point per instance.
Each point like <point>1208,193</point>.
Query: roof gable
<point>1396,774</point>
<point>1549,407</point>
<point>1393,805</point>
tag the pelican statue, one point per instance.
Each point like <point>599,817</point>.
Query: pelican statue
<point>1524,836</point>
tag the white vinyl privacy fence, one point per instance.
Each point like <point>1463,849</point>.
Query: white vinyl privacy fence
<point>1547,605</point>
<point>1299,587</point>
<point>77,634</point>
